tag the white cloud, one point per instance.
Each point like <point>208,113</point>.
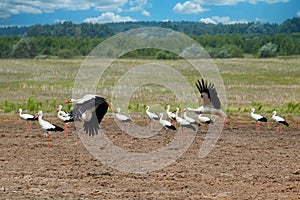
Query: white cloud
<point>146,13</point>
<point>188,7</point>
<point>298,13</point>
<point>222,20</point>
<point>11,7</point>
<point>108,17</point>
<point>60,21</point>
<point>207,21</point>
<point>140,5</point>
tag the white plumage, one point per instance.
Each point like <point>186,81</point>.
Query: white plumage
<point>151,115</point>
<point>171,115</point>
<point>183,122</point>
<point>28,117</point>
<point>258,118</point>
<point>122,118</point>
<point>279,120</point>
<point>187,118</point>
<point>64,117</point>
<point>212,104</point>
<point>47,126</point>
<point>204,119</point>
<point>165,123</point>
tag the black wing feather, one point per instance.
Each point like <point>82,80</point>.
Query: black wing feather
<point>100,107</point>
<point>211,92</point>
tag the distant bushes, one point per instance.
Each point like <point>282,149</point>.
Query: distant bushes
<point>228,51</point>
<point>267,51</point>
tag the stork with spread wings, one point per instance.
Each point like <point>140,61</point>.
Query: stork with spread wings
<point>211,101</point>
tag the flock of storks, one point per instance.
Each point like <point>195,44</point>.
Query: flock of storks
<point>90,109</point>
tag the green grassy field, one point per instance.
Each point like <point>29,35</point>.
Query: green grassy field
<point>265,84</point>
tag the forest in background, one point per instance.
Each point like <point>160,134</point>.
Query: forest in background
<point>67,40</point>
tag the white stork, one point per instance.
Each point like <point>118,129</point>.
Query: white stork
<point>258,118</point>
<point>211,101</point>
<point>279,120</point>
<point>189,119</point>
<point>151,115</point>
<point>183,123</point>
<point>165,123</point>
<point>122,118</point>
<point>205,120</point>
<point>47,126</point>
<point>28,117</point>
<point>65,117</point>
<point>90,109</point>
<point>171,115</point>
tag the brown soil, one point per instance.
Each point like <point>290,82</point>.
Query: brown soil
<point>244,164</point>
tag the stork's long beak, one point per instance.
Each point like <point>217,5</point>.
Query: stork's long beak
<point>108,104</point>
<point>67,102</point>
<point>36,116</point>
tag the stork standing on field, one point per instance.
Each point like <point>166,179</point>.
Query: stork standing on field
<point>122,118</point>
<point>183,123</point>
<point>279,120</point>
<point>166,124</point>
<point>28,117</point>
<point>171,115</point>
<point>205,120</point>
<point>189,119</point>
<point>47,126</point>
<point>90,109</point>
<point>258,118</point>
<point>64,117</point>
<point>211,101</point>
<point>153,117</point>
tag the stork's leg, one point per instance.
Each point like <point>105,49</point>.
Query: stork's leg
<point>280,128</point>
<point>222,116</point>
<point>66,130</point>
<point>182,131</point>
<point>174,123</point>
<point>49,140</point>
<point>29,124</point>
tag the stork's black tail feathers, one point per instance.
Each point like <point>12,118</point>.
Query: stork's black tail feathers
<point>263,119</point>
<point>284,123</point>
<point>171,127</point>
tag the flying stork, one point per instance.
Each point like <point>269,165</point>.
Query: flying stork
<point>90,109</point>
<point>211,101</point>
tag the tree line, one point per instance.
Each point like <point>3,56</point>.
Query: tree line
<point>221,41</point>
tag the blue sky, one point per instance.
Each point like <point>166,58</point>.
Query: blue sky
<point>29,12</point>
